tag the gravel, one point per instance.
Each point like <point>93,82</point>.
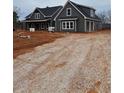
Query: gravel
<point>77,63</point>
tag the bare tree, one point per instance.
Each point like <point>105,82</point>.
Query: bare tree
<point>17,10</point>
<point>105,16</point>
<point>109,15</point>
<point>16,14</point>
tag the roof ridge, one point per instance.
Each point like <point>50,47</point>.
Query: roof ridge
<point>50,7</point>
<point>83,5</point>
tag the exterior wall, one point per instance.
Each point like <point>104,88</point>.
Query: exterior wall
<point>75,14</point>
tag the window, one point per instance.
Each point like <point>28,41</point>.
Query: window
<point>63,25</point>
<point>92,13</point>
<point>88,26</point>
<point>68,25</point>
<point>68,12</point>
<point>37,15</point>
<point>71,25</point>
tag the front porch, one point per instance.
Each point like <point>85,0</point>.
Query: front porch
<point>39,25</point>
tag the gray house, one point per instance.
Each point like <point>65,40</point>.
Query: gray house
<point>72,18</point>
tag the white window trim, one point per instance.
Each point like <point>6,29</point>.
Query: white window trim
<point>37,15</point>
<point>69,25</point>
<point>67,11</point>
<point>91,13</point>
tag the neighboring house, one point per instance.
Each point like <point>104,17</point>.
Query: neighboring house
<point>72,18</point>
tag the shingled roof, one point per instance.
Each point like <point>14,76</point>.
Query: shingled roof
<point>84,9</point>
<point>48,11</point>
<point>28,16</point>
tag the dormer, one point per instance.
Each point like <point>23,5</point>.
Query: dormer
<point>92,13</point>
<point>37,15</point>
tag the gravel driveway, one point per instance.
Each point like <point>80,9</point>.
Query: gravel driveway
<point>76,63</point>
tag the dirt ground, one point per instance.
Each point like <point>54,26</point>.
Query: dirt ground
<point>24,45</point>
<point>75,63</point>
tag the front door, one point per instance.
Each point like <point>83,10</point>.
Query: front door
<point>37,26</point>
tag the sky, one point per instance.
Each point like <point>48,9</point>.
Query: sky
<point>27,6</point>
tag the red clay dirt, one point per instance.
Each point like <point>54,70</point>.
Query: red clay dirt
<point>24,45</point>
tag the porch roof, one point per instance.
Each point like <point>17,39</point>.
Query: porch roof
<point>44,20</point>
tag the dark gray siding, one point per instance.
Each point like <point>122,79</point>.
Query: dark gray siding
<point>33,15</point>
<point>75,14</point>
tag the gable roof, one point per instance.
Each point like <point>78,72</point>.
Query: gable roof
<point>28,16</point>
<point>81,9</point>
<point>46,12</point>
<point>49,11</point>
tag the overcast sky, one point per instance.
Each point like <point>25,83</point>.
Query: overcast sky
<point>27,6</point>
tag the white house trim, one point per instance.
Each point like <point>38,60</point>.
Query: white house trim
<point>36,20</point>
<point>89,26</point>
<point>39,11</point>
<point>93,25</point>
<point>37,15</point>
<point>92,13</point>
<point>60,11</point>
<point>69,19</point>
<point>78,10</point>
<point>85,25</point>
<point>54,12</point>
<point>92,19</point>
<point>67,11</point>
<point>89,29</point>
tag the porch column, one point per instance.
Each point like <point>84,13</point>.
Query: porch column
<point>93,25</point>
<point>89,26</point>
<point>85,25</point>
<point>51,23</point>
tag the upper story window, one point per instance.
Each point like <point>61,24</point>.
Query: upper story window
<point>92,13</point>
<point>68,12</point>
<point>37,15</point>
